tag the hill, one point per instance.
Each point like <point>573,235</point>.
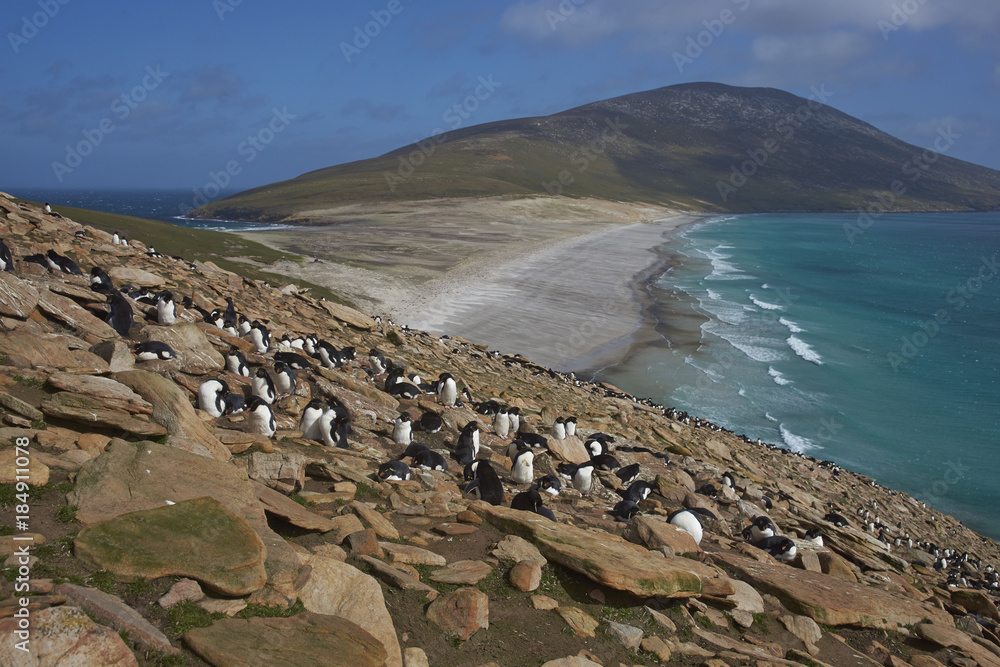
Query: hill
<point>698,147</point>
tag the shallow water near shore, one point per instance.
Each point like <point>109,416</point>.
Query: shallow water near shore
<point>879,354</point>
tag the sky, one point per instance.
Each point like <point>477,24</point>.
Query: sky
<point>178,94</point>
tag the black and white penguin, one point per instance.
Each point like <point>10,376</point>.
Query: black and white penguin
<point>235,403</point>
<point>394,471</point>
<point>761,528</point>
<point>403,390</point>
<point>570,424</point>
<point>230,319</point>
<point>413,449</point>
<point>376,362</point>
<point>62,264</point>
<point>116,238</point>
<point>625,510</point>
<point>309,424</point>
<point>215,317</point>
<point>236,362</point>
<point>259,417</point>
<point>501,423</point>
<point>836,519</point>
<point>154,350</point>
<point>327,354</point>
<point>531,501</point>
<point>468,440</point>
<point>260,337</point>
<point>727,480</point>
<point>262,386</point>
<point>430,422</point>
<point>637,491</point>
<point>688,521</point>
<point>523,472</point>
<point>514,415</point>
<point>485,483</point>
<point>628,474</point>
<point>430,460</point>
<point>293,359</point>
<point>335,432</point>
<point>166,311</point>
<point>559,429</point>
<point>119,313</point>
<point>813,536</point>
<point>285,382</point>
<point>402,430</point>
<point>210,397</point>
<point>582,476</point>
<point>549,484</point>
<point>533,439</point>
<point>766,503</point>
<point>100,281</point>
<point>781,548</point>
<point>243,327</point>
<point>447,390</point>
<point>596,446</point>
<point>605,462</point>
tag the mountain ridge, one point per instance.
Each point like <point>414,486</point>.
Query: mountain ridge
<point>700,147</point>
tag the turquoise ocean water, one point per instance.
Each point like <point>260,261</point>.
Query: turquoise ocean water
<point>874,346</point>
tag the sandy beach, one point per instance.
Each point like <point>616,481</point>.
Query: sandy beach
<point>562,288</point>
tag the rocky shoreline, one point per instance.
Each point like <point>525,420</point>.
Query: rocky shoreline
<point>164,536</point>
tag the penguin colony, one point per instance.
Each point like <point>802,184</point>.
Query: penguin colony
<point>624,489</point>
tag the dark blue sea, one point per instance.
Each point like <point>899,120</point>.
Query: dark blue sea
<point>164,205</point>
<point>876,346</point>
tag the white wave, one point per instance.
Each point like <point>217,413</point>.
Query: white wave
<point>765,286</point>
<point>764,304</point>
<point>757,353</point>
<point>714,296</point>
<point>769,417</point>
<point>777,376</point>
<point>792,326</point>
<point>742,392</point>
<point>796,442</point>
<point>804,350</point>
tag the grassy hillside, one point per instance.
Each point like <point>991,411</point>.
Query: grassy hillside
<point>681,146</point>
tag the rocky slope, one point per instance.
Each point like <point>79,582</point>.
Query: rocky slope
<point>162,535</point>
<point>694,146</point>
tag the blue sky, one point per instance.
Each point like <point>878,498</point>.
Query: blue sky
<point>118,93</point>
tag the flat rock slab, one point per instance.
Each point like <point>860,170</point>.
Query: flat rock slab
<point>135,276</point>
<point>382,526</point>
<point>113,395</point>
<point>339,589</point>
<point>195,353</point>
<point>569,449</point>
<point>61,352</point>
<point>84,409</point>
<point>111,610</point>
<point>73,315</point>
<point>348,315</point>
<point>582,623</point>
<point>461,613</point>
<point>201,539</point>
<point>304,640</point>
<point>606,559</point>
<point>829,600</point>
<point>468,572</point>
<point>17,298</point>
<point>289,510</point>
<point>405,553</point>
<point>655,533</point>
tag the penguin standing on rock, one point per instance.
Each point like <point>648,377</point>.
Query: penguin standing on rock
<point>570,424</point>
<point>514,415</point>
<point>402,430</point>
<point>447,390</point>
<point>467,447</point>
<point>501,423</point>
<point>559,429</point>
<point>377,362</point>
<point>309,424</point>
<point>119,313</point>
<point>6,260</point>
<point>523,472</point>
<point>260,418</point>
<point>260,337</point>
<point>485,483</point>
<point>100,281</point>
<point>688,521</point>
<point>263,386</point>
<point>166,311</point>
<point>210,397</point>
<point>285,382</point>
<point>236,363</point>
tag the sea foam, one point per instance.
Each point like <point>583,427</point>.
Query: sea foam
<point>804,350</point>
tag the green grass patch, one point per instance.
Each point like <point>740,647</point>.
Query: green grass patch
<point>67,513</point>
<point>187,615</point>
<point>760,624</point>
<point>6,530</point>
<point>103,580</point>
<point>136,588</point>
<point>302,500</point>
<point>264,611</point>
<point>28,382</point>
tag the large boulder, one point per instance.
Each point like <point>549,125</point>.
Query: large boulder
<point>304,640</point>
<point>53,352</point>
<point>17,298</point>
<point>829,600</point>
<point>195,353</point>
<point>339,589</point>
<point>656,533</point>
<point>461,613</point>
<point>200,539</point>
<point>87,410</point>
<point>172,410</point>
<point>63,636</point>
<point>606,559</point>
